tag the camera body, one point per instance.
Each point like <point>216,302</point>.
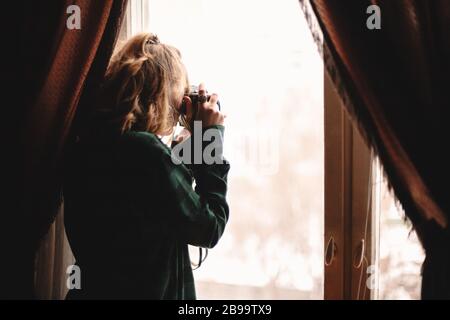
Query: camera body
<point>194,97</point>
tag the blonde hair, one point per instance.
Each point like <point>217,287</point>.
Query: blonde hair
<point>143,82</point>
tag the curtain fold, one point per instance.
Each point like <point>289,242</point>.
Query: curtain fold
<point>60,65</point>
<point>52,260</point>
<point>394,82</point>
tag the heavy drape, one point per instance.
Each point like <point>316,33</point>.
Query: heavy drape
<point>58,66</point>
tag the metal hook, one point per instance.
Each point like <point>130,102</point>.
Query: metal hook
<point>330,252</point>
<point>358,258</point>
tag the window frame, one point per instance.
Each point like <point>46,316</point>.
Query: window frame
<point>348,204</point>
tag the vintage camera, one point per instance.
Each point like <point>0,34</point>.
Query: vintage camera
<point>194,96</point>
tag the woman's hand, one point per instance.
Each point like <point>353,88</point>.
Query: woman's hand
<point>208,111</point>
<point>182,136</point>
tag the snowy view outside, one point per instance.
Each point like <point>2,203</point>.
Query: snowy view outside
<point>400,254</point>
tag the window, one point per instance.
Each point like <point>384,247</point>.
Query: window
<point>262,60</point>
<point>370,251</point>
<point>400,255</point>
<point>311,217</point>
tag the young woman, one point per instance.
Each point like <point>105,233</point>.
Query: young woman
<point>130,210</point>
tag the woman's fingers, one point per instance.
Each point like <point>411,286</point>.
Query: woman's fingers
<point>209,112</point>
<point>201,89</point>
<point>213,101</point>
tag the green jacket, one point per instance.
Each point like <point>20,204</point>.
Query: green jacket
<point>130,213</point>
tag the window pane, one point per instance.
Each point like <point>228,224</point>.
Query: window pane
<point>261,59</point>
<point>400,254</point>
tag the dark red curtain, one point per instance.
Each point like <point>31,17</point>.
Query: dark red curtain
<point>395,83</point>
<point>57,66</point>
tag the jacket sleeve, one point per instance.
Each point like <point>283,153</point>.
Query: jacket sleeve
<point>198,216</point>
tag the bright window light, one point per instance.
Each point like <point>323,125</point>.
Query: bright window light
<point>259,56</point>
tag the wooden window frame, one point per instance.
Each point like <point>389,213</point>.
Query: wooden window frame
<point>348,242</point>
